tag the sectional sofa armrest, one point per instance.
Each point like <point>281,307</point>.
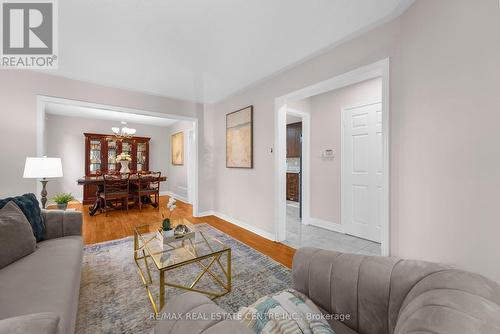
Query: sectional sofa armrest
<point>304,262</point>
<point>59,223</point>
<point>336,281</point>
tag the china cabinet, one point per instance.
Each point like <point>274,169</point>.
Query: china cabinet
<point>100,157</point>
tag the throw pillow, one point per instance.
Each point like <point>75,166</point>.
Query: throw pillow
<point>36,323</point>
<point>16,235</point>
<point>284,312</point>
<point>31,208</point>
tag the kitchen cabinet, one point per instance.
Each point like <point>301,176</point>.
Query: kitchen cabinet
<point>294,140</point>
<point>292,187</point>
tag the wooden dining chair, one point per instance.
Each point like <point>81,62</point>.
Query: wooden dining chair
<point>116,188</point>
<point>148,184</point>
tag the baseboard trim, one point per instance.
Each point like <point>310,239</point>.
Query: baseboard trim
<point>244,225</point>
<point>327,225</point>
<point>237,222</point>
<point>205,214</point>
<point>176,196</point>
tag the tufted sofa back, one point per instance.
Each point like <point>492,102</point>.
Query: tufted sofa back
<point>387,295</point>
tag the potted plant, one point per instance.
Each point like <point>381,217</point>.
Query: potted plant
<point>62,200</point>
<point>170,207</point>
<point>124,159</point>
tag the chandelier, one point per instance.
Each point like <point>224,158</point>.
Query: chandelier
<point>123,132</point>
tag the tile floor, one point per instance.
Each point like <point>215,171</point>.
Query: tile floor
<point>313,236</point>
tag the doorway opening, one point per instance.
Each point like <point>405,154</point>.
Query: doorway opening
<point>71,118</point>
<point>342,181</point>
<point>297,141</point>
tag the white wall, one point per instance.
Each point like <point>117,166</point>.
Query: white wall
<point>65,140</point>
<point>326,122</point>
<point>444,103</point>
<point>178,175</point>
<point>290,119</point>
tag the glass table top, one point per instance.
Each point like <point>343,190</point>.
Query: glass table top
<point>167,253</point>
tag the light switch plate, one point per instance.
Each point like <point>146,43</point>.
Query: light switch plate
<point>328,154</point>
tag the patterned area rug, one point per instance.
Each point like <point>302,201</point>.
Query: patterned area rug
<point>113,299</point>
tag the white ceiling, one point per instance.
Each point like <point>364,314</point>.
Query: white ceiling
<point>102,114</point>
<point>203,50</point>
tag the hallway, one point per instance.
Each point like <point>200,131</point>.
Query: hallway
<point>313,236</point>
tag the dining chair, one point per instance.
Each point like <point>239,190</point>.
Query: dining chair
<point>116,188</point>
<point>148,184</point>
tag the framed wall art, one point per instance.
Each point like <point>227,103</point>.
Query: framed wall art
<point>177,148</point>
<point>239,138</point>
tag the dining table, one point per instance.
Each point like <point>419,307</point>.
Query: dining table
<point>98,180</point>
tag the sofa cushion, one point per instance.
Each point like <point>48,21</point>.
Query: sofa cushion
<point>31,208</point>
<point>47,280</point>
<point>285,311</point>
<point>37,323</point>
<point>337,325</point>
<point>16,235</point>
<point>180,310</point>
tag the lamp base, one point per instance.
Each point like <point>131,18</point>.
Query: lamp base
<point>44,192</point>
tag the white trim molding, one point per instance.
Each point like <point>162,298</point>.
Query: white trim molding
<point>205,214</point>
<point>176,196</point>
<point>327,225</point>
<point>246,226</point>
<point>234,221</point>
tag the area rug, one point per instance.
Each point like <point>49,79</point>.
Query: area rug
<point>113,299</point>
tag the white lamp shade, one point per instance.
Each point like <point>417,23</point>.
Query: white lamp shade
<point>39,168</point>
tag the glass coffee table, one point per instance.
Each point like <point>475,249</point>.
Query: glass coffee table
<point>200,250</point>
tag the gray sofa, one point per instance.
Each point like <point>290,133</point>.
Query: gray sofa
<point>48,280</point>
<point>382,295</point>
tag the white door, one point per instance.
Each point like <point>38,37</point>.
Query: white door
<point>362,170</point>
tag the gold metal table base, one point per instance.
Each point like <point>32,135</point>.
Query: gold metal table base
<point>215,258</point>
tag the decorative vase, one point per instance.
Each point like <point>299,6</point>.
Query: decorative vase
<point>62,206</point>
<point>166,224</point>
<point>124,169</point>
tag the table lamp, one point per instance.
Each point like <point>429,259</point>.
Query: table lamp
<point>43,168</point>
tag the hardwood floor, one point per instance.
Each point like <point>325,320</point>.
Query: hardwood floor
<point>119,224</point>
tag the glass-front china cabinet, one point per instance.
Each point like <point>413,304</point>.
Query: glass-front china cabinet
<point>100,157</point>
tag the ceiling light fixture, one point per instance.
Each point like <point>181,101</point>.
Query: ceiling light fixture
<point>123,132</point>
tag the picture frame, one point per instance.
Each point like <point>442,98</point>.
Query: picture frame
<point>177,148</point>
<point>239,138</point>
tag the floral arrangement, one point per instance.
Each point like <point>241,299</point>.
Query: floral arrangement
<point>170,207</point>
<point>123,157</point>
